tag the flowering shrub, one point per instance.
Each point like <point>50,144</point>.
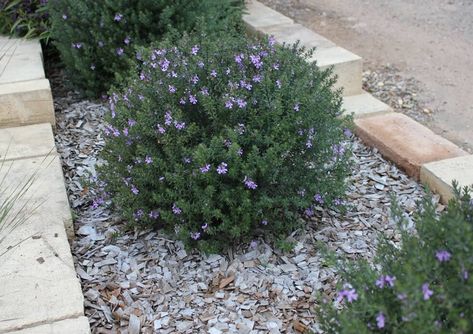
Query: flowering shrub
<point>25,18</point>
<point>96,39</point>
<point>422,287</point>
<point>221,140</point>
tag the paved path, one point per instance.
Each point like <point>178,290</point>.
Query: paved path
<point>430,40</point>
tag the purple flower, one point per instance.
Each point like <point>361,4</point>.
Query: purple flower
<point>154,214</point>
<point>101,44</point>
<point>348,293</point>
<point>257,78</point>
<point>229,104</point>
<point>296,107</point>
<point>309,212</point>
<point>254,244</point>
<point>195,49</point>
<point>125,132</point>
<point>276,66</point>
<point>179,125</point>
<point>118,17</point>
<point>241,103</point>
<point>120,51</point>
<point>213,73</point>
<point>171,89</point>
<point>240,152</point>
<point>167,118</point>
<point>383,281</point>
<point>92,67</point>
<point>131,122</point>
<point>195,235</point>
<point>401,296</point>
<point>138,214</point>
<point>148,160</point>
<point>192,99</point>
<point>160,129</point>
<point>77,45</point>
<point>134,190</point>
<point>195,79</point>
<point>443,255</point>
<point>164,64</point>
<point>205,169</point>
<point>222,168</point>
<point>264,222</point>
<point>318,198</point>
<point>64,16</point>
<point>278,83</point>
<point>127,40</point>
<point>308,143</point>
<point>176,210</point>
<point>271,41</point>
<point>347,132</point>
<point>256,61</point>
<point>426,291</point>
<point>380,320</point>
<point>201,64</point>
<point>239,58</point>
<point>249,183</point>
<point>205,226</point>
<point>204,91</point>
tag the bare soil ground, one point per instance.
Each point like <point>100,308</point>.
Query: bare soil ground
<point>430,41</point>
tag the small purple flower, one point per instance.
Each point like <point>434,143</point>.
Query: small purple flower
<point>229,104</point>
<point>464,274</point>
<point>167,118</point>
<point>201,64</point>
<point>443,255</point>
<point>241,103</point>
<point>131,122</point>
<point>195,79</point>
<point>101,44</point>
<point>309,212</point>
<point>386,280</point>
<point>160,129</point>
<point>276,66</point>
<point>204,91</point>
<point>278,83</point>
<point>318,198</point>
<point>195,49</point>
<point>205,226</point>
<point>308,143</point>
<point>148,160</point>
<point>134,190</point>
<point>195,235</point>
<point>426,291</point>
<point>240,152</point>
<point>249,183</point>
<point>337,201</point>
<point>179,125</point>
<point>222,168</point>
<point>205,169</point>
<point>401,296</point>
<point>176,210</point>
<point>213,73</point>
<point>348,293</point>
<point>256,61</point>
<point>254,244</point>
<point>77,45</point>
<point>257,78</point>
<point>125,132</point>
<point>127,40</point>
<point>347,133</point>
<point>296,107</point>
<point>239,58</point>
<point>120,51</point>
<point>380,320</point>
<point>92,67</point>
<point>271,41</point>
<point>154,214</point>
<point>264,222</point>
<point>64,16</point>
<point>192,99</point>
<point>138,214</point>
<point>118,17</point>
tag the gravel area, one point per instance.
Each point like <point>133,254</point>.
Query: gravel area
<point>144,282</point>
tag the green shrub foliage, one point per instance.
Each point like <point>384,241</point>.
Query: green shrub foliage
<point>96,39</point>
<point>24,18</point>
<point>222,140</point>
<point>424,286</point>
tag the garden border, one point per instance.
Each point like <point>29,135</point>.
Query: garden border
<point>427,157</point>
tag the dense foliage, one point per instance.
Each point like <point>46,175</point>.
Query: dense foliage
<point>24,18</point>
<point>222,140</point>
<point>96,39</point>
<point>424,286</point>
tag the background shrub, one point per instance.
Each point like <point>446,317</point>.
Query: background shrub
<point>96,39</point>
<point>24,18</point>
<point>220,140</point>
<point>425,286</point>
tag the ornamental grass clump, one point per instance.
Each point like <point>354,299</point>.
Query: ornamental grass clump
<point>24,18</point>
<point>97,39</point>
<point>220,141</point>
<point>423,286</point>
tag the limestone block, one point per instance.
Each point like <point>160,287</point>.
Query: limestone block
<point>27,102</point>
<point>259,16</point>
<point>439,175</point>
<point>27,142</point>
<point>346,65</point>
<point>364,105</point>
<point>70,326</point>
<point>291,33</point>
<point>404,141</point>
<point>38,282</point>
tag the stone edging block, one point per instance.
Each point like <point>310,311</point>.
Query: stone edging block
<point>259,16</point>
<point>364,105</point>
<point>293,32</point>
<point>70,326</point>
<point>405,141</point>
<point>439,175</point>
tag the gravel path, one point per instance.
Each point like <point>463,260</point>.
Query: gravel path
<point>144,282</point>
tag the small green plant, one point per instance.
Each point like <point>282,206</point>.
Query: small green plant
<point>423,286</point>
<point>97,39</point>
<point>25,18</point>
<point>222,140</point>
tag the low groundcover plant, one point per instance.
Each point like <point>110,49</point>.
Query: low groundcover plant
<point>423,286</point>
<point>219,141</point>
<point>24,18</point>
